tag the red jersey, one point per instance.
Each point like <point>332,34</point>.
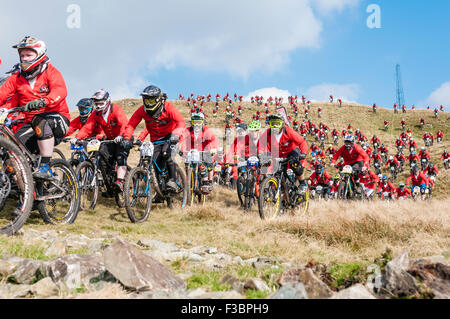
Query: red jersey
<point>289,141</point>
<point>388,187</point>
<point>324,178</point>
<point>243,147</point>
<point>406,192</point>
<point>49,85</point>
<point>205,141</point>
<point>355,154</point>
<point>417,180</point>
<point>76,125</point>
<point>112,127</point>
<point>170,121</point>
<point>370,180</point>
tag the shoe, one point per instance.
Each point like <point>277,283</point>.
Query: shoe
<point>172,185</point>
<point>44,172</point>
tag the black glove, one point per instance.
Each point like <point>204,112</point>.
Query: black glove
<point>35,105</point>
<point>302,157</point>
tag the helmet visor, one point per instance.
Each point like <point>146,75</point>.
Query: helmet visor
<point>151,103</point>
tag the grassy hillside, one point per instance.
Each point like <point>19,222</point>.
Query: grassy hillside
<point>359,116</point>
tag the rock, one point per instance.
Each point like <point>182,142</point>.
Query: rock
<point>212,264</point>
<point>435,276</point>
<point>162,294</point>
<point>212,250</point>
<point>29,270</point>
<point>6,268</point>
<point>315,288</point>
<point>138,271</point>
<point>188,243</point>
<point>73,271</point>
<point>57,248</point>
<point>234,283</point>
<point>196,258</point>
<point>256,284</point>
<point>95,245</point>
<point>237,260</point>
<point>396,280</point>
<point>45,288</point>
<point>195,293</point>
<point>433,260</point>
<point>263,262</point>
<point>157,245</point>
<point>18,291</point>
<point>291,291</point>
<point>186,275</point>
<point>357,291</point>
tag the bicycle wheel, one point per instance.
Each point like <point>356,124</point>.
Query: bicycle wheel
<point>240,186</point>
<point>138,195</point>
<point>119,196</point>
<point>16,188</point>
<point>59,198</point>
<point>180,198</point>
<point>249,194</point>
<point>303,202</point>
<point>59,154</point>
<point>88,185</point>
<point>269,203</point>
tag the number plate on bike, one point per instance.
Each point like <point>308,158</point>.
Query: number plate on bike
<point>147,149</point>
<point>253,162</point>
<point>76,147</point>
<point>347,170</point>
<point>93,146</point>
<point>193,156</point>
<point>217,168</point>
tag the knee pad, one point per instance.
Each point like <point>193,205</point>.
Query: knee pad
<point>41,128</point>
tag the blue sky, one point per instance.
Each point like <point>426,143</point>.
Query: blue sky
<point>311,47</point>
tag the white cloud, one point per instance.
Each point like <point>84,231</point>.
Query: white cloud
<point>269,92</point>
<point>346,92</point>
<point>440,96</point>
<point>326,6</point>
<point>121,41</point>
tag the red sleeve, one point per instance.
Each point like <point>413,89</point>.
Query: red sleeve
<point>337,155</point>
<point>57,86</point>
<point>213,144</point>
<point>132,123</point>
<point>298,140</point>
<point>121,119</point>
<point>74,126</point>
<point>8,89</point>
<point>88,129</point>
<point>143,135</point>
<point>176,116</point>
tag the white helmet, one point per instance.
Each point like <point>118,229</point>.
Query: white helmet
<point>102,101</point>
<point>37,46</point>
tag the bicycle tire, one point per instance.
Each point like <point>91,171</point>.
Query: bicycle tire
<point>20,162</point>
<point>70,178</point>
<point>240,187</point>
<point>271,183</point>
<point>86,182</point>
<point>190,184</point>
<point>181,197</point>
<point>59,153</point>
<point>132,184</point>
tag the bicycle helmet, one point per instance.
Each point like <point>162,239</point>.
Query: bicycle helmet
<point>384,179</point>
<point>416,169</point>
<point>254,126</point>
<point>153,101</point>
<point>319,169</point>
<point>349,141</point>
<point>197,119</point>
<point>402,185</point>
<point>37,46</point>
<point>102,101</point>
<point>85,107</point>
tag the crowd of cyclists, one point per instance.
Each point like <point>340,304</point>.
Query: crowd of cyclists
<point>45,122</point>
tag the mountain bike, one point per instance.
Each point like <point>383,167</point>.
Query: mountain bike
<point>249,181</point>
<point>56,198</point>
<point>96,173</point>
<point>280,192</point>
<point>348,188</point>
<point>196,161</point>
<point>138,186</point>
<point>160,177</point>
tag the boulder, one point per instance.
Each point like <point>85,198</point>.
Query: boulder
<point>28,270</point>
<point>256,284</point>
<point>45,288</point>
<point>291,291</point>
<point>7,268</point>
<point>234,283</point>
<point>435,276</point>
<point>396,280</point>
<point>154,244</point>
<point>315,287</point>
<point>357,291</point>
<point>73,271</point>
<point>137,270</point>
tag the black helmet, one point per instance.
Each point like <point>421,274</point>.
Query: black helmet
<point>85,107</point>
<point>153,101</point>
<point>416,169</point>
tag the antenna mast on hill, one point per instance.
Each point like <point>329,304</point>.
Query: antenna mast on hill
<point>400,95</point>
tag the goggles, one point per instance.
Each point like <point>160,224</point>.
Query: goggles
<point>151,102</point>
<point>197,122</point>
<point>276,124</point>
